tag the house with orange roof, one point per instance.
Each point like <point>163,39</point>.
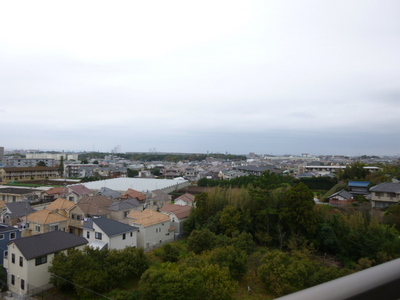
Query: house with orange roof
<point>131,193</point>
<point>186,199</point>
<point>154,228</point>
<point>70,210</point>
<point>55,193</point>
<point>178,215</point>
<point>45,220</point>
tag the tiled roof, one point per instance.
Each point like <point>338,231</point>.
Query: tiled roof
<point>131,193</point>
<point>186,197</point>
<point>110,227</point>
<point>388,187</point>
<point>359,183</point>
<point>343,194</point>
<point>19,209</point>
<point>57,191</point>
<point>61,203</point>
<point>47,243</point>
<point>81,190</point>
<point>180,211</point>
<point>109,193</point>
<point>46,216</point>
<point>148,217</point>
<point>124,205</point>
<point>95,205</point>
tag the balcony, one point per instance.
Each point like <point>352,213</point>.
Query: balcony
<point>379,282</point>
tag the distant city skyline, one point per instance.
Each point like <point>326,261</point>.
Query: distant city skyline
<point>189,76</point>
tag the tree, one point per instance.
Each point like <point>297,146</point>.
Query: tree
<point>156,172</point>
<point>201,240</point>
<point>41,164</point>
<point>132,173</point>
<point>96,162</point>
<point>84,161</point>
<point>61,166</point>
<point>232,258</point>
<point>298,210</point>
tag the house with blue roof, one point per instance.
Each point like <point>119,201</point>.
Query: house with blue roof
<point>359,187</point>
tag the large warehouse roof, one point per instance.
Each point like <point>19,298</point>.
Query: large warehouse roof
<point>139,184</point>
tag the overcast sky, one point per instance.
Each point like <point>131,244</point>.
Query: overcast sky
<point>275,77</point>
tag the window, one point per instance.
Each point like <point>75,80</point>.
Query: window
<point>54,228</point>
<point>126,213</point>
<point>22,284</point>
<point>41,260</point>
<point>12,235</point>
<point>13,258</point>
<point>4,197</point>
<point>38,228</point>
<point>1,236</point>
<point>6,254</point>
<point>97,235</point>
<point>131,234</point>
<point>71,198</point>
<point>156,230</point>
<point>124,236</point>
<point>21,261</point>
<point>14,198</point>
<point>12,279</point>
<point>88,234</point>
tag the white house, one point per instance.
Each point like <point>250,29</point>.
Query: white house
<point>105,233</point>
<point>178,215</point>
<point>29,259</point>
<point>154,228</point>
<point>186,199</point>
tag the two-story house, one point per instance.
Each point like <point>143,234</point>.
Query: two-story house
<point>154,228</point>
<point>45,220</point>
<point>29,259</point>
<point>103,233</point>
<point>7,234</point>
<point>178,215</point>
<point>14,213</point>
<point>385,194</point>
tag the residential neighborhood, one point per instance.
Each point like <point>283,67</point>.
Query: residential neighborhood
<point>48,210</point>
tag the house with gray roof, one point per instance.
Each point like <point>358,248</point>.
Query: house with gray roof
<point>341,198</point>
<point>104,233</point>
<point>14,212</point>
<point>109,193</point>
<point>29,259</point>
<point>385,194</point>
<point>121,209</point>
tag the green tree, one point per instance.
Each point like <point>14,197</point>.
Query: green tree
<point>298,210</point>
<point>234,259</point>
<point>61,166</point>
<point>132,173</point>
<point>156,172</point>
<point>230,220</point>
<point>201,240</point>
<point>41,164</point>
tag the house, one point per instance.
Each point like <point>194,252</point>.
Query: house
<point>131,193</point>
<point>154,228</point>
<point>46,220</point>
<point>359,187</point>
<point>185,199</point>
<point>55,193</point>
<point>385,194</point>
<point>14,212</point>
<point>70,210</point>
<point>18,194</point>
<point>105,233</point>
<point>121,209</point>
<point>95,206</point>
<point>108,193</point>
<point>178,215</point>
<point>341,198</point>
<point>29,259</point>
<point>7,234</point>
<point>158,198</point>
<point>81,191</point>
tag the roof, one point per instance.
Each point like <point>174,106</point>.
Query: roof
<point>61,203</point>
<point>110,227</point>
<point>342,193</point>
<point>359,183</point>
<point>46,216</point>
<point>17,191</point>
<point>24,169</point>
<point>148,217</point>
<point>386,187</point>
<point>131,193</point>
<point>95,205</point>
<point>139,184</point>
<point>124,205</point>
<point>6,228</point>
<point>57,191</point>
<point>186,197</point>
<point>109,193</point>
<point>81,190</point>
<point>19,209</point>
<point>180,211</point>
<point>47,243</point>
